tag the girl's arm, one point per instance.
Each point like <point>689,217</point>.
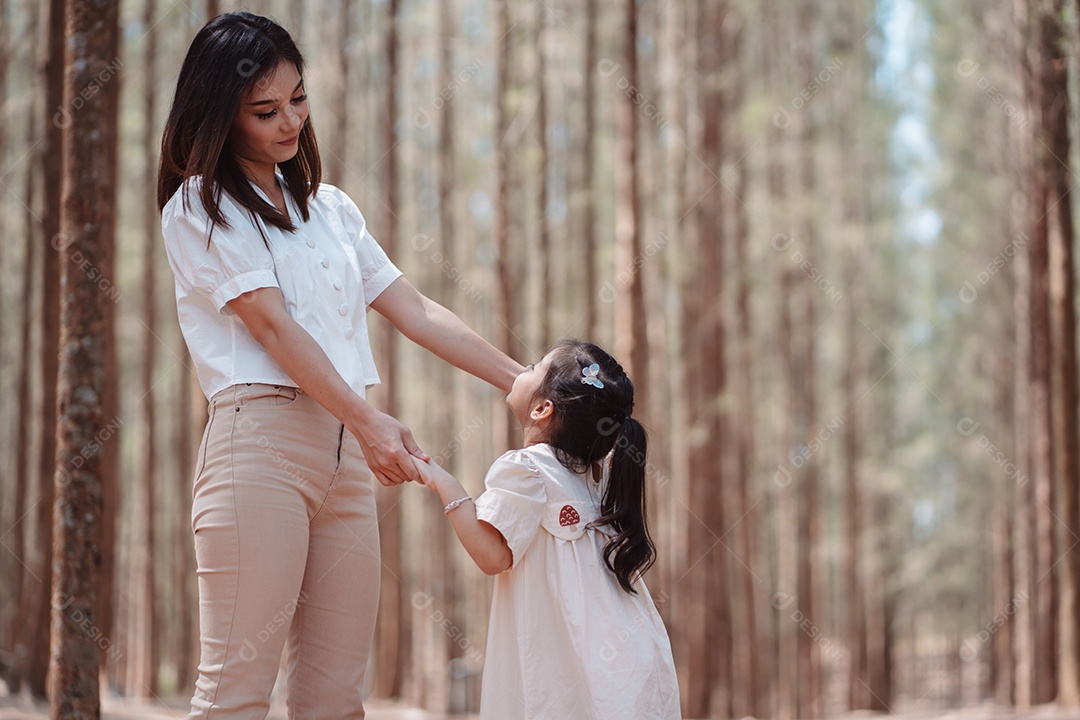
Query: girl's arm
<point>485,545</point>
<point>431,326</point>
<point>386,443</point>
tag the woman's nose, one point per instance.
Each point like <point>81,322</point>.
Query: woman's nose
<point>293,119</point>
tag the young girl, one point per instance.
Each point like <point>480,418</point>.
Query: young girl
<point>573,631</point>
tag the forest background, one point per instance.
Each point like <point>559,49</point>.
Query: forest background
<point>831,241</point>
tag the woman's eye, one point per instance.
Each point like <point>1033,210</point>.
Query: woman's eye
<point>300,99</point>
<point>267,116</point>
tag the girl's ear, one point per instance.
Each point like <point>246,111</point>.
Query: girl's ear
<point>542,410</point>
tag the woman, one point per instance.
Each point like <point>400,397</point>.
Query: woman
<point>274,274</point>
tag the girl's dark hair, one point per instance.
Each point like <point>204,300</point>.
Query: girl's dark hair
<point>230,54</point>
<point>588,423</point>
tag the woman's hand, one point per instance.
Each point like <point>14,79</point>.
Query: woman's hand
<point>388,446</point>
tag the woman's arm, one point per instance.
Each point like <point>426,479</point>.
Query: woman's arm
<point>386,443</point>
<point>485,545</point>
<point>431,326</point>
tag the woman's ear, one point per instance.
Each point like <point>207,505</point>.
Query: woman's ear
<point>542,410</point>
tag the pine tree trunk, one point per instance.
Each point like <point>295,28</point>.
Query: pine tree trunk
<point>713,692</point>
<point>543,271</point>
<point>1066,434</point>
<point>505,303</point>
<point>588,131</point>
<point>188,397</point>
<point>750,662</point>
<point>24,476</point>
<point>1041,427</point>
<point>148,455</point>
<point>392,634</point>
<point>1023,666</point>
<point>78,512</point>
<point>110,451</point>
<point>49,288</point>
<point>809,654</point>
<point>631,342</point>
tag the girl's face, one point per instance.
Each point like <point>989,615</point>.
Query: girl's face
<point>522,399</point>
<point>267,126</point>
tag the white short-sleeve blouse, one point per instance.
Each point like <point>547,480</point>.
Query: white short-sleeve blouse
<point>329,271</point>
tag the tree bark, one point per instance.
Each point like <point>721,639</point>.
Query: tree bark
<point>49,289</point>
<point>150,602</point>
<point>808,530</point>
<point>1066,432</point>
<point>709,683</point>
<point>1045,657</point>
<point>392,632</point>
<point>85,222</point>
<point>24,475</point>
<point>543,32</point>
<point>505,301</point>
<point>631,341</point>
<point>589,175</point>
<point>1023,524</point>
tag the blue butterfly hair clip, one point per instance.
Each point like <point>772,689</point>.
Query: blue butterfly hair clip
<point>590,372</point>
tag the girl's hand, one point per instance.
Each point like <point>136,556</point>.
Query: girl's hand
<point>388,447</point>
<point>431,474</point>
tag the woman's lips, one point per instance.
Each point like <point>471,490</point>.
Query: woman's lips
<point>290,141</point>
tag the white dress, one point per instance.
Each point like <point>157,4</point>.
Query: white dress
<point>565,641</point>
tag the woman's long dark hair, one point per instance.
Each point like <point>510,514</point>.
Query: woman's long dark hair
<point>590,422</point>
<point>230,54</point>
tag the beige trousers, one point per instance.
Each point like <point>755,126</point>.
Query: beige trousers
<point>287,547</point>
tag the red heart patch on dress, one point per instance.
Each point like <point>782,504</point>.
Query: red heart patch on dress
<point>568,516</point>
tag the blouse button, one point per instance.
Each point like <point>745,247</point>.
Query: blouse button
<point>337,284</point>
<point>343,309</point>
<point>310,243</point>
<point>325,263</point>
<point>349,334</point>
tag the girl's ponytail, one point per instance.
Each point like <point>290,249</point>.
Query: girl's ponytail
<point>631,551</point>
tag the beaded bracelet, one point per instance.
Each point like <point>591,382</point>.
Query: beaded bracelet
<point>454,503</point>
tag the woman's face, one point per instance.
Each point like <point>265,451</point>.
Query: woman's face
<point>272,112</point>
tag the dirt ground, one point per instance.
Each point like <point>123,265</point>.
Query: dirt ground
<point>19,708</point>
